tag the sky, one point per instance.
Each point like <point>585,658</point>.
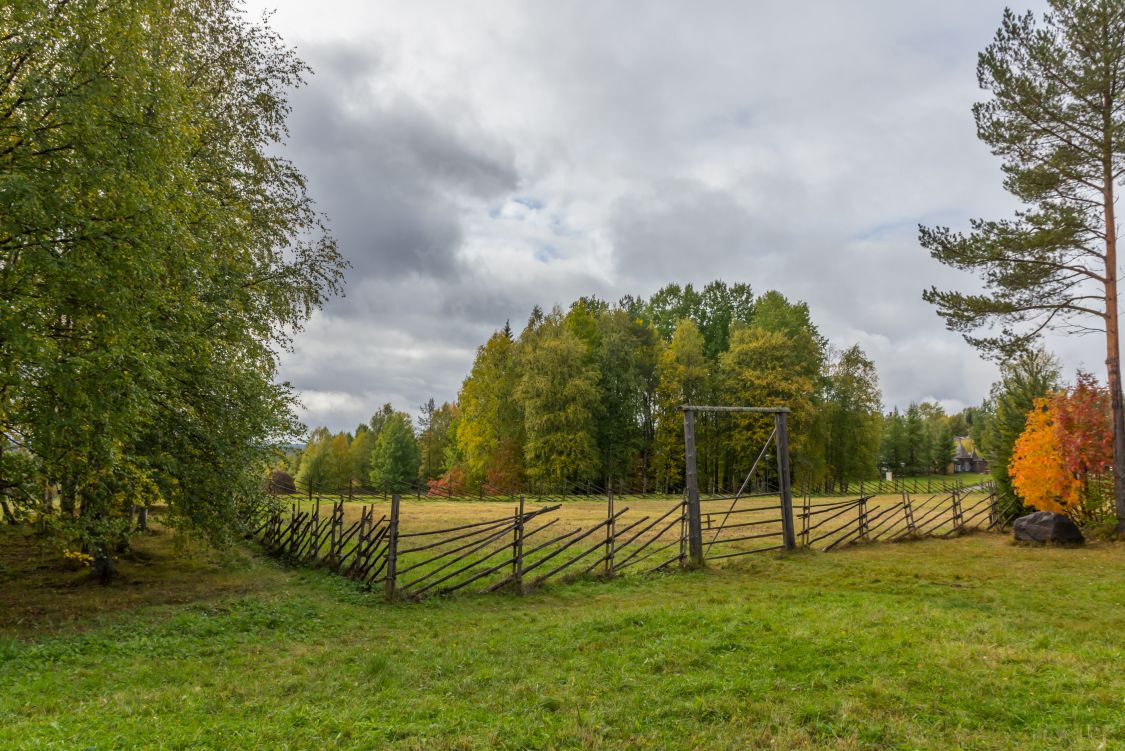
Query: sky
<point>476,159</point>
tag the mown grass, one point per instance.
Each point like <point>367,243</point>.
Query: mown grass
<point>967,643</point>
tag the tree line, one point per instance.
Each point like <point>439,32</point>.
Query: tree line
<point>922,440</point>
<point>590,397</point>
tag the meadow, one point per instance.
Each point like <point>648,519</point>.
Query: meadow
<point>971,642</point>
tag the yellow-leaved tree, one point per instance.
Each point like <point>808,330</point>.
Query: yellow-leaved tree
<point>1037,470</point>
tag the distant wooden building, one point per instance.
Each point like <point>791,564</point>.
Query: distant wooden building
<point>966,458</point>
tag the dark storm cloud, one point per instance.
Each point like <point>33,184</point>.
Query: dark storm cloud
<point>389,173</point>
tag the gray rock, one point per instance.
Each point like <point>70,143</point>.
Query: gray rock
<point>1047,526</point>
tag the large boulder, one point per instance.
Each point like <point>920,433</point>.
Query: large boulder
<point>1047,526</point>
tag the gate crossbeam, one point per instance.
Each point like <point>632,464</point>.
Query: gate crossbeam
<point>757,410</point>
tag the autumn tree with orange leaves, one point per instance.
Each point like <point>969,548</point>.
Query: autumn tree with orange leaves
<point>1062,459</point>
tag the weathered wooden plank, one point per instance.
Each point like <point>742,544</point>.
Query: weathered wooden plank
<point>476,547</point>
<point>392,548</point>
<point>650,541</point>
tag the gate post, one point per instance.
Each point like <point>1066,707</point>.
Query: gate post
<point>392,549</point>
<point>695,529</point>
<point>781,421</point>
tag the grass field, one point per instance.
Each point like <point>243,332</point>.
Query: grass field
<point>920,484</point>
<point>965,643</point>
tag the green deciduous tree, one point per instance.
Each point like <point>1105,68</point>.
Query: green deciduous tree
<point>490,433</point>
<point>1056,115</point>
<point>155,254</point>
<point>559,392</point>
<point>683,377</point>
<point>626,362</point>
<point>359,455</point>
<point>766,368</point>
<point>326,463</point>
<point>941,444</point>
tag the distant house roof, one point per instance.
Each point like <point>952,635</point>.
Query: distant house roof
<point>964,448</point>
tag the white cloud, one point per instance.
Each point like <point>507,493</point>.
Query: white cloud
<point>478,158</point>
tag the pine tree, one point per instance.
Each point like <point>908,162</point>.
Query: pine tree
<point>395,460</point>
<point>852,420</point>
<point>894,450</point>
<point>434,439</point>
<point>1057,118</point>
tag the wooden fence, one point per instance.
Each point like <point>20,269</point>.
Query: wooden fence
<point>385,547</point>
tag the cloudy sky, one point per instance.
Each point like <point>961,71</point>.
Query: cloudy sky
<point>475,159</point>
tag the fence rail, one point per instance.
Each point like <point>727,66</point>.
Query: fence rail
<point>410,559</point>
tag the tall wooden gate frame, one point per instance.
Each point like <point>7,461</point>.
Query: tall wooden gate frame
<point>785,490</point>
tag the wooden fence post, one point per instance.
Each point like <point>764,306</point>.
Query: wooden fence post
<point>392,549</point>
<point>314,533</point>
<point>806,520</point>
<point>783,480</point>
<point>694,522</point>
<point>610,531</point>
<point>359,558</point>
<point>517,550</point>
<point>333,534</point>
<point>293,519</point>
<point>863,518</point>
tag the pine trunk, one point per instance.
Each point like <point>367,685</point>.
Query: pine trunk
<point>1113,350</point>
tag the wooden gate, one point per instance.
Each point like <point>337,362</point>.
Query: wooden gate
<point>765,528</point>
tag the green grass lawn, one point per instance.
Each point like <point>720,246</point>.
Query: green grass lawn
<point>969,643</point>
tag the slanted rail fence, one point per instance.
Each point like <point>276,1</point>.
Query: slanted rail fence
<point>391,546</point>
